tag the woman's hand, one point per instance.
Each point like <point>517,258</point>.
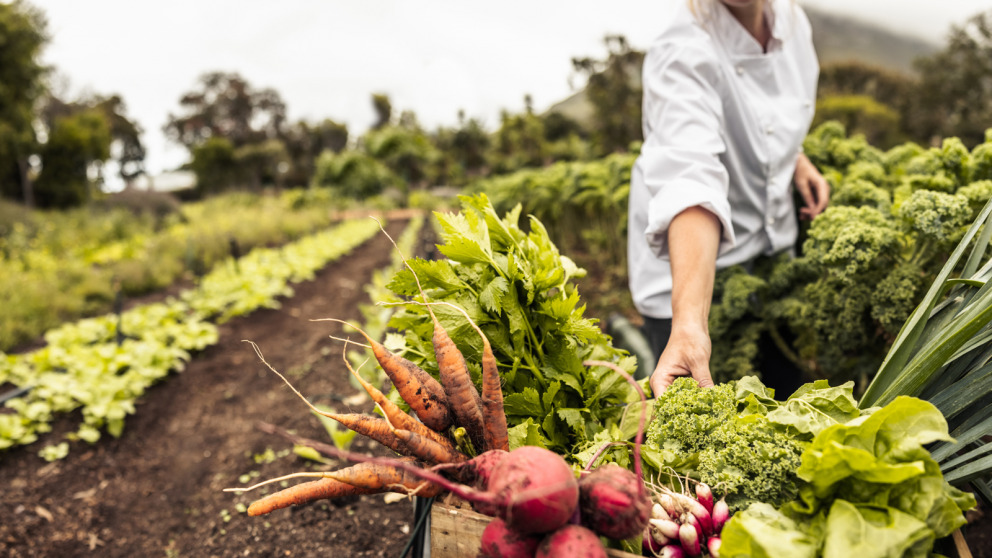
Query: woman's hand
<point>687,354</point>
<point>814,189</point>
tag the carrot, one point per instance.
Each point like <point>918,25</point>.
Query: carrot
<point>304,493</point>
<point>420,390</point>
<point>494,418</point>
<point>428,450</point>
<point>395,415</point>
<point>463,397</point>
<point>380,476</point>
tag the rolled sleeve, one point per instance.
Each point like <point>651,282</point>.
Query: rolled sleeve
<point>680,164</point>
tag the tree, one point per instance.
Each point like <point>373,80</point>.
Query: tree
<point>23,34</point>
<point>125,148</point>
<point>383,110</point>
<point>77,146</point>
<point>519,142</point>
<point>955,93</point>
<point>613,86</point>
<point>214,165</point>
<point>226,106</point>
<point>305,142</point>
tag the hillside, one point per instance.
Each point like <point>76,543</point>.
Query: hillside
<point>836,38</point>
<point>840,38</point>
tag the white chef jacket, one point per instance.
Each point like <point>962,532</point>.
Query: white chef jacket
<point>723,125</point>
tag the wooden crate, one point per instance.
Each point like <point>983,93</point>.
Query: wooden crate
<point>456,532</point>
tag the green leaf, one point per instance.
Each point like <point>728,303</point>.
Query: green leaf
<point>873,532</point>
<point>491,296</point>
<point>761,531</point>
<point>527,433</point>
<point>525,403</point>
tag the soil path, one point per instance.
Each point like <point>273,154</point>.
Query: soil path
<point>157,491</point>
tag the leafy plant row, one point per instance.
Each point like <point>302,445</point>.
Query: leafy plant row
<point>60,266</point>
<point>100,366</point>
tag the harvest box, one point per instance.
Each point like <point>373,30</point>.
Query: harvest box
<point>456,532</point>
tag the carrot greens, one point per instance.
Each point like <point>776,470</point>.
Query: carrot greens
<point>518,288</point>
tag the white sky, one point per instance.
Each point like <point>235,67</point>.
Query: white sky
<point>327,57</point>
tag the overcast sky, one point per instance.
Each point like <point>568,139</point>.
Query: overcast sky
<point>326,57</point>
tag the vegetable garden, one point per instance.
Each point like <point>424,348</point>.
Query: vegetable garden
<point>882,453</point>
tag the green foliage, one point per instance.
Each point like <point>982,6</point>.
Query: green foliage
<point>519,289</point>
<point>24,33</point>
<point>74,144</point>
<point>214,165</point>
<point>861,114</point>
<point>870,488</point>
<point>614,89</point>
<point>893,220</point>
<point>407,152</point>
<point>735,436</point>
<point>953,97</point>
<point>353,174</point>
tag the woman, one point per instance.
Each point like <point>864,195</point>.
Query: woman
<point>729,94</point>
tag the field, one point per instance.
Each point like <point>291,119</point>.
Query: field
<point>157,490</point>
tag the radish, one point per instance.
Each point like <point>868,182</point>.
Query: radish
<point>705,496</point>
<point>672,551</point>
<point>666,527</point>
<point>713,545</point>
<point>721,513</point>
<point>499,541</point>
<point>571,541</point>
<point>689,538</point>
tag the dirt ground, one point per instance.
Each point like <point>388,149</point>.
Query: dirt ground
<point>158,490</point>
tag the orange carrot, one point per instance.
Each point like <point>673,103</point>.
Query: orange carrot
<point>494,418</point>
<point>395,415</point>
<point>304,493</point>
<point>378,476</point>
<point>427,449</point>
<point>463,397</point>
<point>419,389</point>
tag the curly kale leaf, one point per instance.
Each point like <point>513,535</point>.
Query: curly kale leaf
<point>978,194</point>
<point>862,193</point>
<point>935,216</point>
<point>851,240</point>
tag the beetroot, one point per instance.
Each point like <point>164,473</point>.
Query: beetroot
<point>498,541</point>
<point>536,490</point>
<point>613,502</point>
<point>571,541</point>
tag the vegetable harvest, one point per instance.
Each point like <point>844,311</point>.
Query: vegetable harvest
<point>727,470</point>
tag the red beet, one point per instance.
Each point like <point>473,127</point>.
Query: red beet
<point>613,502</point>
<point>536,488</point>
<point>571,541</point>
<point>498,541</point>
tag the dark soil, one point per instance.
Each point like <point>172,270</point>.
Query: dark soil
<point>158,489</point>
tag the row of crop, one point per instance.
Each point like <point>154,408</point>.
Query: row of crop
<point>101,365</point>
<point>862,265</point>
<point>59,266</point>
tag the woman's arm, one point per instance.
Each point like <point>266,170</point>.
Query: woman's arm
<point>693,242</point>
